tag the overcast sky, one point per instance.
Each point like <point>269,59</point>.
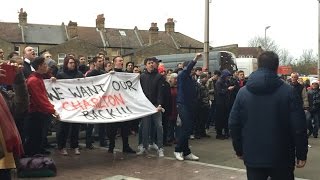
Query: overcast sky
<point>294,23</point>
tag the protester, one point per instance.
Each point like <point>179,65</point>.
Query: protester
<point>40,109</point>
<point>268,124</point>
<point>185,103</point>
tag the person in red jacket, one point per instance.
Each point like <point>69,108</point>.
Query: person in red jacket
<point>40,108</point>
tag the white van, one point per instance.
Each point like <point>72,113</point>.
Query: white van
<point>247,65</point>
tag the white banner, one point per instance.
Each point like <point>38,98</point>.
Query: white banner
<point>105,98</point>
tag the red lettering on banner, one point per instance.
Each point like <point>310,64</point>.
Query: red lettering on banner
<point>99,102</point>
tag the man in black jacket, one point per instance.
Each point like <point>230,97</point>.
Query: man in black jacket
<point>124,126</point>
<point>268,124</point>
<point>152,83</point>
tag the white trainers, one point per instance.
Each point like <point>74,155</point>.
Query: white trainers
<point>191,157</point>
<point>191,136</point>
<point>160,152</point>
<point>141,151</point>
<point>63,151</point>
<point>178,156</point>
<point>76,151</point>
<point>153,146</point>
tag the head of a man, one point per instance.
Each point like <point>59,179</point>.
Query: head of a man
<point>107,66</point>
<point>118,62</point>
<point>98,62</point>
<point>241,75</point>
<point>268,60</point>
<point>315,84</point>
<point>294,78</point>
<point>149,64</point>
<point>29,53</point>
<point>82,60</point>
<point>129,66</point>
<point>47,56</point>
<point>39,65</point>
<point>136,69</point>
<point>69,63</point>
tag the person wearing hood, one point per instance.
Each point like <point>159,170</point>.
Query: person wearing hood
<point>268,125</point>
<point>223,91</point>
<point>314,109</point>
<point>70,71</point>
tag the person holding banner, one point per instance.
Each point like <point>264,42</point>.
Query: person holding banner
<point>40,108</point>
<point>98,70</point>
<point>69,71</point>
<point>185,106</point>
<point>152,83</point>
<point>124,126</point>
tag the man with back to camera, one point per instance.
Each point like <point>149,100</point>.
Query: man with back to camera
<point>268,124</point>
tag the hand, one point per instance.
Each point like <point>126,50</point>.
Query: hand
<point>159,108</point>
<point>300,163</point>
<point>230,88</point>
<point>53,79</point>
<point>198,56</point>
<point>56,115</point>
<point>2,73</point>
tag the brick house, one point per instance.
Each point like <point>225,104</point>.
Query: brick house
<point>132,44</point>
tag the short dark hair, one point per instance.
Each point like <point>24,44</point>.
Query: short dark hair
<point>269,60</point>
<point>13,54</point>
<point>240,71</point>
<point>147,59</point>
<point>217,72</point>
<point>38,61</point>
<point>130,62</point>
<point>95,59</point>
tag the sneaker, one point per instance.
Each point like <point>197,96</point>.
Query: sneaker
<point>63,151</point>
<point>153,146</point>
<point>141,151</point>
<point>191,136</point>
<point>160,152</point>
<point>128,150</point>
<point>178,156</point>
<point>76,151</point>
<point>191,157</point>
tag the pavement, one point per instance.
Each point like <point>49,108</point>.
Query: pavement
<point>217,161</point>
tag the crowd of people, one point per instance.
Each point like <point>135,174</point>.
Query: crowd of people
<point>189,100</point>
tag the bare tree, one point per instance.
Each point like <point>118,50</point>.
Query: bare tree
<point>266,44</point>
<point>308,56</point>
<point>306,63</point>
<point>285,58</point>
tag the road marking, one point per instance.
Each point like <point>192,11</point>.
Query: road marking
<point>197,162</point>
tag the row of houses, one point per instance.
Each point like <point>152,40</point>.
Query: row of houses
<point>133,44</point>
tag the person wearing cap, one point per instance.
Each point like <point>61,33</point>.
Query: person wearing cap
<point>314,108</point>
<point>268,125</point>
<point>186,98</point>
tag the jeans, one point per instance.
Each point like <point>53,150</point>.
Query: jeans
<point>186,115</point>
<point>146,125</point>
<point>285,173</point>
<point>63,133</point>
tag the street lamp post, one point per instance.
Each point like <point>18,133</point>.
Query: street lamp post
<point>265,35</point>
<point>206,36</point>
<point>319,40</point>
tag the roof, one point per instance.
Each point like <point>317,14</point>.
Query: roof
<point>44,34</point>
<point>10,32</point>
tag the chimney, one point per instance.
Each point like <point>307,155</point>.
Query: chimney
<point>72,29</point>
<point>169,25</point>
<point>100,22</point>
<point>153,33</point>
<point>22,17</point>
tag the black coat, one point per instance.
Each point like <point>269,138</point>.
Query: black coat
<point>267,122</point>
<point>152,84</point>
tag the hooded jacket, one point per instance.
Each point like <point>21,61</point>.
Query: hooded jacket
<point>267,122</point>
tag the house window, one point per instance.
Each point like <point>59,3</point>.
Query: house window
<point>36,50</point>
<point>242,56</point>
<point>249,56</point>
<point>61,57</point>
<point>17,49</point>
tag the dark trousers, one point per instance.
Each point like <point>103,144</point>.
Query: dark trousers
<point>102,133</point>
<point>186,117</point>
<point>34,128</point>
<point>285,173</point>
<point>5,174</point>
<point>222,114</point>
<point>165,126</point>
<point>20,125</point>
<point>112,129</point>
<point>200,129</point>
<point>211,115</point>
<point>45,129</point>
<point>63,133</point>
